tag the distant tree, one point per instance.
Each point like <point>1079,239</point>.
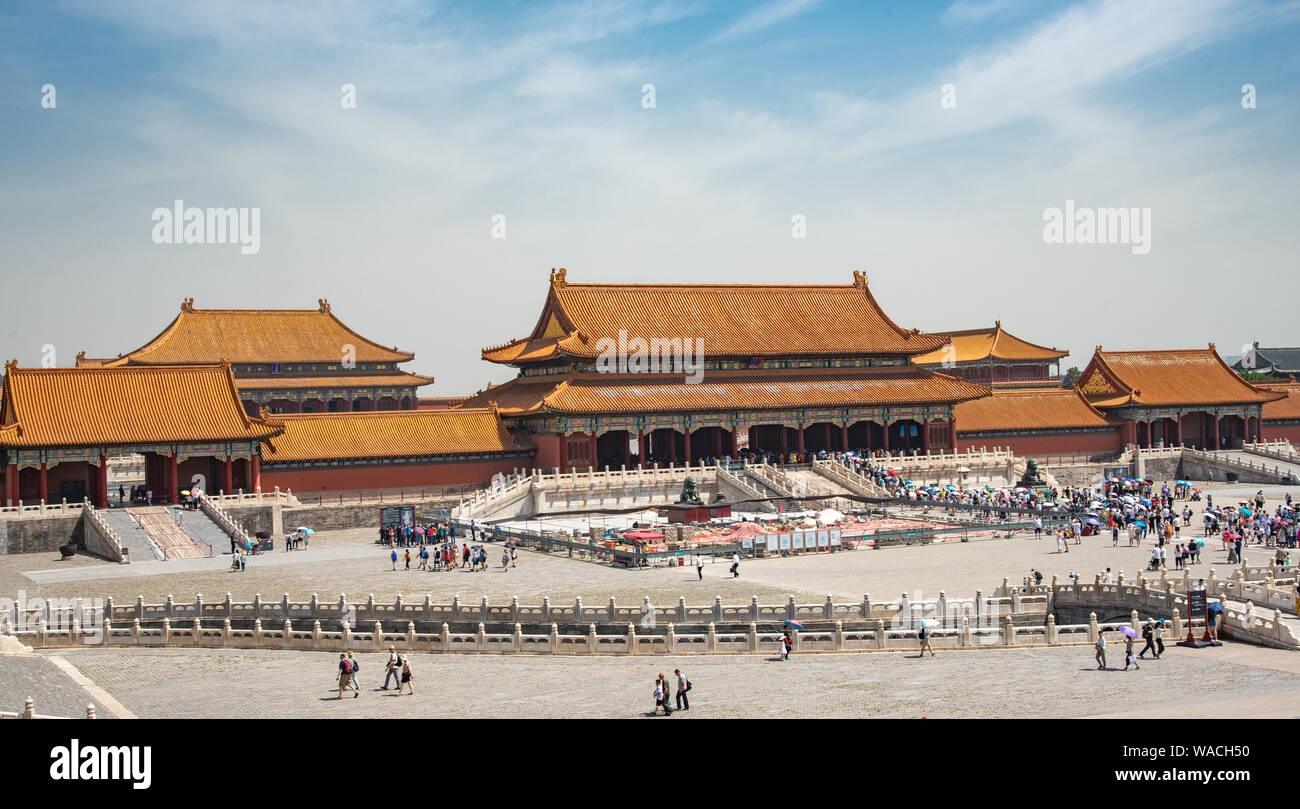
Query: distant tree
<point>1071,376</point>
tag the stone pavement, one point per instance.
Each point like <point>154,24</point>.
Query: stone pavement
<point>349,562</point>
<point>1013,683</point>
<point>52,689</point>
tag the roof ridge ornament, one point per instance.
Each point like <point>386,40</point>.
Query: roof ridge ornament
<point>324,305</point>
<point>860,279</point>
<point>557,276</point>
<point>187,305</point>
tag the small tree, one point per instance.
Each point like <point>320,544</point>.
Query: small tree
<point>1071,376</point>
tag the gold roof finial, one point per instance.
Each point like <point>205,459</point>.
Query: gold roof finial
<point>860,279</point>
<point>187,305</point>
<point>557,276</point>
<point>324,304</point>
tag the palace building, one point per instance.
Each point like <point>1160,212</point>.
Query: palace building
<point>286,360</point>
<point>1029,422</point>
<point>59,425</point>
<point>1187,396</point>
<point>1282,416</point>
<point>624,374</point>
<point>1270,363</point>
<point>323,452</point>
<point>995,357</point>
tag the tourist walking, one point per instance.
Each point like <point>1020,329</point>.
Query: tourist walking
<point>393,556</point>
<point>1128,653</point>
<point>699,571</point>
<point>661,696</point>
<point>404,664</point>
<point>392,669</point>
<point>1157,629</point>
<point>787,645</point>
<point>1148,635</point>
<point>735,565</point>
<point>1100,647</point>
<point>345,677</point>
<point>923,633</point>
<point>683,685</point>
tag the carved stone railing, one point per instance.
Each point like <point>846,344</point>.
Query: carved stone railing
<point>101,539</point>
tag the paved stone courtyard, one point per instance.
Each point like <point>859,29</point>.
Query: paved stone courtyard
<point>1232,681</point>
<point>1019,683</point>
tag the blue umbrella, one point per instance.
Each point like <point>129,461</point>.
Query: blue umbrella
<point>1139,522</point>
<point>793,625</point>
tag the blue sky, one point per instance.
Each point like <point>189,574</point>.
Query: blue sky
<point>830,110</point>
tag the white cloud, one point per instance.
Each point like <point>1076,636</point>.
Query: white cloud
<point>765,16</point>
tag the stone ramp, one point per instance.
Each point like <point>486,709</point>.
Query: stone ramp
<point>160,525</point>
<point>134,539</point>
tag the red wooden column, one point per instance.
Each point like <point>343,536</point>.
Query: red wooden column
<point>1177,437</point>
<point>687,447</point>
<point>592,444</point>
<point>952,433</point>
<point>826,435</point>
<point>885,434</point>
<point>173,480</point>
<point>1214,417</point>
<point>100,496</point>
<point>255,472</point>
<point>640,448</point>
<point>227,475</point>
<point>717,442</point>
<point>925,435</point>
<point>43,484</point>
<point>844,437</point>
<point>671,433</point>
<point>800,442</point>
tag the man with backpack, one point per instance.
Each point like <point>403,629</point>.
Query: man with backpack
<point>683,685</point>
<point>347,676</point>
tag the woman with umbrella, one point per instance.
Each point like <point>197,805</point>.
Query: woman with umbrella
<point>1129,634</point>
<point>923,634</point>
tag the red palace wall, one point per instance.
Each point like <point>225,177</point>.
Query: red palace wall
<point>1290,432</point>
<point>549,449</point>
<point>1043,445</point>
<point>388,477</point>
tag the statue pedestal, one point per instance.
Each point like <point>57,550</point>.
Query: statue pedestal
<point>700,514</point>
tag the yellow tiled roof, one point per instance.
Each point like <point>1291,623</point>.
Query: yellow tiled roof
<point>1028,410</point>
<point>388,380</point>
<point>1192,376</point>
<point>257,336</point>
<point>67,407</point>
<point>727,390</point>
<point>994,343</point>
<point>391,434</point>
<point>1287,407</point>
<point>736,320</point>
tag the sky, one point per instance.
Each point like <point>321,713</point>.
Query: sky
<point>922,143</point>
